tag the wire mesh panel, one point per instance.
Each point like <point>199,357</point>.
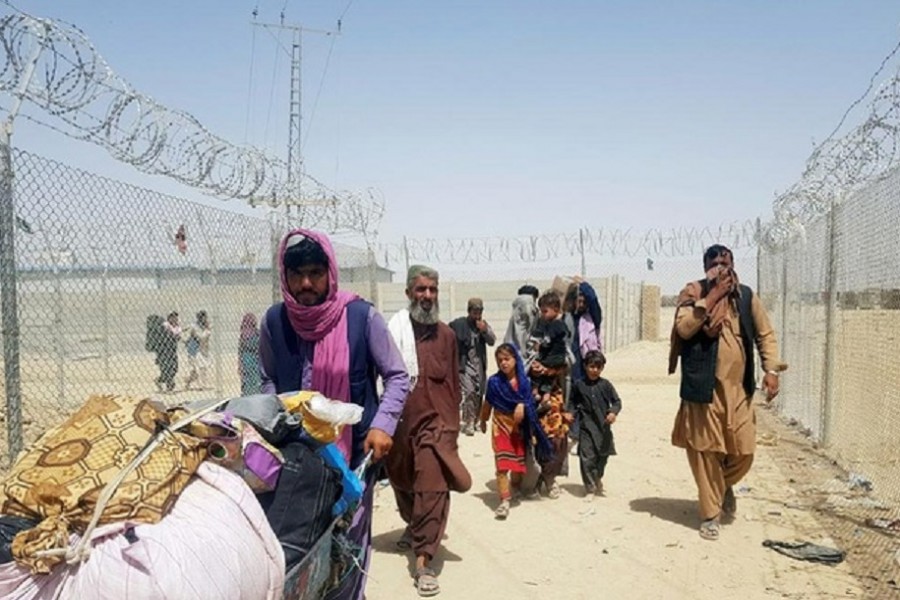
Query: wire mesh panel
<point>95,258</point>
<point>803,333</point>
<point>866,413</point>
<point>834,295</point>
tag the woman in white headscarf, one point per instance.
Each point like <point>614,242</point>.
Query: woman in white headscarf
<point>522,320</point>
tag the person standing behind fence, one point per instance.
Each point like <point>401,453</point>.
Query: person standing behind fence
<point>248,355</point>
<point>197,346</point>
<point>718,321</point>
<point>473,335</point>
<point>167,353</point>
<point>522,320</point>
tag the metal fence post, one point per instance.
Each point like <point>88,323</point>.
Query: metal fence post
<point>8,283</point>
<point>373,270</point>
<point>104,305</point>
<point>830,322</point>
<point>59,339</point>
<point>9,305</point>
<point>581,251</point>
<point>405,257</point>
<point>106,373</point>
<point>217,315</point>
<point>216,318</point>
<point>784,299</point>
<point>274,240</point>
<point>759,255</point>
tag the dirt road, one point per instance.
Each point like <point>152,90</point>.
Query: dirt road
<point>640,541</point>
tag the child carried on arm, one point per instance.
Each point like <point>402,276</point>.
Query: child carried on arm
<point>548,372</point>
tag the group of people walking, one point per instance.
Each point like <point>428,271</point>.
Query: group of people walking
<point>548,387</point>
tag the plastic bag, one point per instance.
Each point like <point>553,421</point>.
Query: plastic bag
<point>323,419</point>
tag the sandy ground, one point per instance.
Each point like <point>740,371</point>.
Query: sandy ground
<point>640,541</point>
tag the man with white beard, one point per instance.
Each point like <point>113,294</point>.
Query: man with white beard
<point>424,464</point>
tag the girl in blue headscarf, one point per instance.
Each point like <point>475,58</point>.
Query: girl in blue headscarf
<point>514,423</point>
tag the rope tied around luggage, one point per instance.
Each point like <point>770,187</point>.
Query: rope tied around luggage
<point>81,551</point>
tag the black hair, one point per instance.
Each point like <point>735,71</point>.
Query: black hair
<point>529,289</point>
<point>305,252</point>
<point>550,299</point>
<point>594,357</point>
<point>714,252</point>
<point>504,347</point>
<point>202,317</point>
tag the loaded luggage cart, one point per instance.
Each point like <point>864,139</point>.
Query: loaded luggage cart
<point>230,498</point>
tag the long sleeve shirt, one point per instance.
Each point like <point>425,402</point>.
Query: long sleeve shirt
<point>690,319</point>
<point>384,353</point>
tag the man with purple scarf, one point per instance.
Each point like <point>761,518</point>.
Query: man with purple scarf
<point>331,341</point>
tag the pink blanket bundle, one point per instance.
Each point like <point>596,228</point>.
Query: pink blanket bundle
<point>215,543</point>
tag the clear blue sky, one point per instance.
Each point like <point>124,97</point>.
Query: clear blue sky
<point>508,117</point>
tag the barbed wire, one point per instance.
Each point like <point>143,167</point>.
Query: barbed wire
<point>587,242</point>
<point>840,166</point>
<point>82,97</point>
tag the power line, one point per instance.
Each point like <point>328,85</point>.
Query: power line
<point>344,13</point>
<point>312,114</point>
<point>250,78</point>
<point>271,89</point>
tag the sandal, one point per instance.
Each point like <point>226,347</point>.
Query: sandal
<point>553,491</point>
<point>709,529</point>
<point>427,583</point>
<point>502,511</point>
<point>729,503</point>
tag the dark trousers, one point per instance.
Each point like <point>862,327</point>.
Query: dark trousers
<point>168,368</point>
<point>592,470</point>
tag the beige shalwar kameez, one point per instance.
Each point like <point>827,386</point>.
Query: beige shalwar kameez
<point>720,437</point>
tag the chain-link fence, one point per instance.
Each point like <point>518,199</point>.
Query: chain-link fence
<point>636,274</point>
<point>94,258</point>
<point>637,282</point>
<point>834,294</point>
